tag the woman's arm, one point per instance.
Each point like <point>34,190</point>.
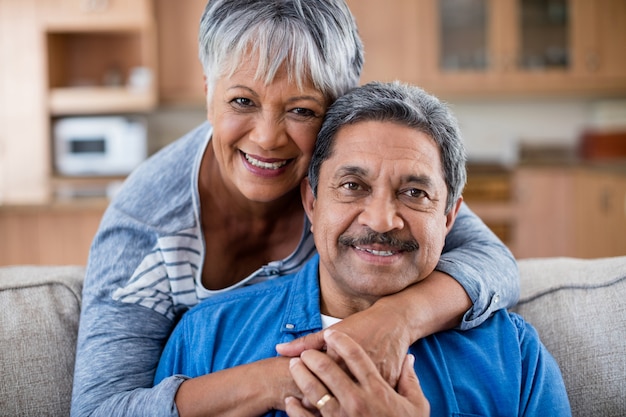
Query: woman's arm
<point>242,391</point>
<point>482,264</point>
<point>476,275</point>
<point>119,343</point>
<point>119,346</point>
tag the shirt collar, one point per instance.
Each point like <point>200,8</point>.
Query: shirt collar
<point>302,313</point>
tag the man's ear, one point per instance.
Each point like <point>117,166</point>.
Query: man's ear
<point>308,201</point>
<point>451,216</point>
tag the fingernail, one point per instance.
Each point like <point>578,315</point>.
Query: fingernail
<point>293,362</point>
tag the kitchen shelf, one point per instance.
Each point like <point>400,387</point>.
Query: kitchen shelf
<point>91,100</point>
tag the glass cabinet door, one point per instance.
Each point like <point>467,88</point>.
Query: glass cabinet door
<point>503,35</point>
<point>464,43</point>
<point>544,34</point>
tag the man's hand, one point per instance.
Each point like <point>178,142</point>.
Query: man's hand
<point>379,330</point>
<point>329,391</point>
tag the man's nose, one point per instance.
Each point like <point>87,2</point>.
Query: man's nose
<point>380,214</point>
<point>269,132</point>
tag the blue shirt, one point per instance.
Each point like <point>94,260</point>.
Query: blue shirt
<point>498,369</point>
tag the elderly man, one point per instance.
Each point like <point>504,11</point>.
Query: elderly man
<point>383,190</point>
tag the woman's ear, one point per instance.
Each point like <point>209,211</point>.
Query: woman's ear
<point>308,200</point>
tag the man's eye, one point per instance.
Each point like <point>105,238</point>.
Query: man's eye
<point>415,193</point>
<point>352,186</point>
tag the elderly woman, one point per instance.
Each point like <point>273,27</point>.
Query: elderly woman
<point>220,208</point>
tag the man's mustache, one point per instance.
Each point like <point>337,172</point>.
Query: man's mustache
<point>372,237</point>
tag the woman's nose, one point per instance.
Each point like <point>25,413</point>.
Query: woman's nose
<point>269,132</point>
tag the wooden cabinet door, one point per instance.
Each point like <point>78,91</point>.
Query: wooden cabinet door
<point>461,45</point>
<point>521,47</point>
<point>600,204</point>
<point>544,213</point>
<point>390,33</point>
<point>180,71</point>
<point>599,41</point>
<point>47,236</point>
<point>24,151</point>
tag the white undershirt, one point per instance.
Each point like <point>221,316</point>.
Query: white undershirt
<point>328,321</point>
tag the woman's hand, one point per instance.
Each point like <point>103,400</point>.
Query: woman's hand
<point>330,391</point>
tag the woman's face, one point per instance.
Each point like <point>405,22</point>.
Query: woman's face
<point>263,135</point>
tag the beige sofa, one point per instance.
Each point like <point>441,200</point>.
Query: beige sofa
<point>578,307</point>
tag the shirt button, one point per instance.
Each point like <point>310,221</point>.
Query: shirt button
<point>290,326</point>
<point>496,299</point>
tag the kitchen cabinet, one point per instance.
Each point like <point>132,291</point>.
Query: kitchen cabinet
<point>181,80</point>
<point>90,15</point>
<point>475,48</point>
<point>101,56</point>
<point>488,193</point>
<point>390,33</point>
<point>67,57</point>
<point>544,214</point>
<point>57,234</point>
<point>600,209</point>
<point>24,149</point>
<point>569,211</point>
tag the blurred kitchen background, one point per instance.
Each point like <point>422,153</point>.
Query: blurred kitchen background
<point>89,88</point>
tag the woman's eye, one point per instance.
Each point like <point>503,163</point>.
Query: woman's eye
<point>242,102</point>
<point>301,111</point>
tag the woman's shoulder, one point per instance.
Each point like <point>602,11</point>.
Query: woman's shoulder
<point>162,188</point>
<point>266,290</point>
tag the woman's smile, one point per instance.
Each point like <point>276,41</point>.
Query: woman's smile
<point>264,166</point>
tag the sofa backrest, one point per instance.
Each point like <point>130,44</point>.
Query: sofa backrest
<point>579,310</point>
<point>577,306</point>
<point>38,329</point>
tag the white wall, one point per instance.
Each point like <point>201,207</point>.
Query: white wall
<point>494,129</point>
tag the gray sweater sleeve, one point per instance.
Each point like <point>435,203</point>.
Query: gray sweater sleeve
<point>482,264</point>
<point>119,346</point>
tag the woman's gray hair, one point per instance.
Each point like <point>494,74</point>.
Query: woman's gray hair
<point>403,104</point>
<point>316,39</point>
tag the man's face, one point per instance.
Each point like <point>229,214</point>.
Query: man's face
<point>379,217</point>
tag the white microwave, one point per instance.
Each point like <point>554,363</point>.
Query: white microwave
<point>99,145</point>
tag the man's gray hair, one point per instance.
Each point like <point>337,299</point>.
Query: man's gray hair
<point>403,104</point>
<point>316,39</point>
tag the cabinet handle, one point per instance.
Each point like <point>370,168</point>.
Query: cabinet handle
<point>605,201</point>
<point>592,61</point>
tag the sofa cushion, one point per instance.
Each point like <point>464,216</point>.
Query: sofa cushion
<point>38,328</point>
<point>579,310</point>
